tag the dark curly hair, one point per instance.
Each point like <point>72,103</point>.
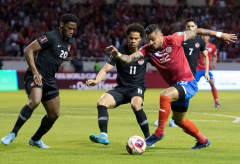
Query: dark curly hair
<point>69,18</point>
<point>192,20</point>
<point>152,28</point>
<point>135,27</point>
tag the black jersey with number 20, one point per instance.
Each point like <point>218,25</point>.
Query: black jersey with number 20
<point>54,50</point>
<point>129,74</point>
<point>192,50</point>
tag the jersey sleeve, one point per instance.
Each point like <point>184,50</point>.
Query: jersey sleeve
<point>144,51</point>
<point>178,38</point>
<point>112,60</point>
<point>203,45</point>
<point>46,40</point>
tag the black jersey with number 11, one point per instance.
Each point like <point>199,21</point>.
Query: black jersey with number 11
<point>129,74</point>
<point>192,50</point>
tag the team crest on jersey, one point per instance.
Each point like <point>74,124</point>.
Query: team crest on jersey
<point>69,47</point>
<point>32,84</point>
<point>197,45</point>
<point>168,49</point>
<point>140,62</point>
<point>209,49</point>
<point>43,39</point>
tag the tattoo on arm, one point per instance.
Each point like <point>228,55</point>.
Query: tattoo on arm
<point>190,34</point>
<point>131,58</point>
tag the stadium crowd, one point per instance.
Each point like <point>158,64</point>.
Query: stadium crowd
<point>102,24</point>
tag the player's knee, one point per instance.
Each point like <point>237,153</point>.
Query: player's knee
<point>54,116</point>
<point>101,102</point>
<point>135,106</point>
<point>34,103</point>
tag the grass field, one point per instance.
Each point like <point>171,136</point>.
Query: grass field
<point>69,137</point>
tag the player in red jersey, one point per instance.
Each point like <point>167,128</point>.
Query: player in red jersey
<point>212,52</point>
<point>167,55</point>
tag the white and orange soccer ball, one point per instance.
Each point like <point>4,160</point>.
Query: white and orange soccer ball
<point>135,145</point>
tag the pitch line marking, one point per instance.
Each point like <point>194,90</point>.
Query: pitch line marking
<point>114,118</point>
<point>237,119</point>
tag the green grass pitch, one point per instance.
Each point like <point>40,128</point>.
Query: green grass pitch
<point>69,137</point>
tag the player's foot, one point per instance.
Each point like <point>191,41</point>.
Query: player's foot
<point>153,139</point>
<point>38,143</point>
<point>151,145</point>
<point>172,124</point>
<point>217,105</point>
<point>8,139</point>
<point>101,138</point>
<point>199,146</point>
<point>156,123</point>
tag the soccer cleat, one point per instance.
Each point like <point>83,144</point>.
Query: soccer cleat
<point>101,138</point>
<point>153,139</point>
<point>217,105</point>
<point>199,146</point>
<point>151,145</point>
<point>8,139</point>
<point>156,123</point>
<point>172,123</point>
<point>38,143</point>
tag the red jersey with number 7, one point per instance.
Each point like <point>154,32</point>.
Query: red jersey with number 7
<point>170,59</point>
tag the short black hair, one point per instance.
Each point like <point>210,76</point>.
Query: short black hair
<point>152,28</point>
<point>69,18</point>
<point>191,19</point>
<point>135,27</point>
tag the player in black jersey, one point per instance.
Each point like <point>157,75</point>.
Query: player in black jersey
<point>131,85</point>
<point>192,49</point>
<point>40,84</point>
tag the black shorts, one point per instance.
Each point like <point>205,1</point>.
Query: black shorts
<point>49,89</point>
<point>124,95</point>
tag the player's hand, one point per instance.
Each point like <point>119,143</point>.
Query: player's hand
<point>112,50</point>
<point>213,66</point>
<point>229,37</point>
<point>91,83</point>
<point>37,79</point>
<point>207,77</point>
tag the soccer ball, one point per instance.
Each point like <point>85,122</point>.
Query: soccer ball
<point>135,145</point>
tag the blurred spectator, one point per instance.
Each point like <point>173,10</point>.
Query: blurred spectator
<point>1,63</point>
<point>77,63</point>
<point>97,66</point>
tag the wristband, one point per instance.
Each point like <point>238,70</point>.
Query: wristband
<point>119,54</point>
<point>219,34</point>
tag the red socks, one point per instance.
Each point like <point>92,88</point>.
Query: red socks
<point>189,128</point>
<point>215,95</point>
<point>164,111</point>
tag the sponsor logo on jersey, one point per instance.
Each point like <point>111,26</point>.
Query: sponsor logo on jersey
<point>32,84</point>
<point>140,62</point>
<point>43,39</point>
<point>69,47</point>
<point>179,33</point>
<point>168,49</point>
<point>197,45</point>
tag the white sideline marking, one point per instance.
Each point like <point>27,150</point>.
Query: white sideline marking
<point>237,119</point>
<point>86,117</point>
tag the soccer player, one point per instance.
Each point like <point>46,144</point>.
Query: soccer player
<point>192,49</point>
<point>39,81</point>
<point>167,55</point>
<point>131,85</point>
<point>201,70</point>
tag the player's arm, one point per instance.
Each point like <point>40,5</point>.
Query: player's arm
<point>125,58</point>
<point>100,75</point>
<point>190,34</point>
<point>28,54</point>
<point>206,63</point>
<point>215,57</point>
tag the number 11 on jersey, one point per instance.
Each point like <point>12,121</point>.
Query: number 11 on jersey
<point>133,70</point>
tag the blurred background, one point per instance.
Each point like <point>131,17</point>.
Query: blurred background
<point>102,23</point>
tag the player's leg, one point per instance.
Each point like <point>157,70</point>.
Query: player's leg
<point>180,107</point>
<point>214,90</point>
<point>106,101</point>
<point>52,107</point>
<point>136,104</point>
<point>35,96</point>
